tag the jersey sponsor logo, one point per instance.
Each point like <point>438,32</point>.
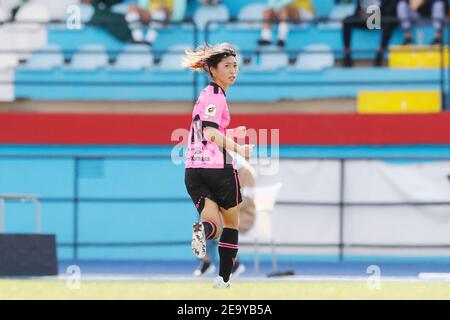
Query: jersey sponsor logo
<point>210,110</point>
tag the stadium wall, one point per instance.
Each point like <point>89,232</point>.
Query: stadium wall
<point>295,129</point>
<point>112,212</point>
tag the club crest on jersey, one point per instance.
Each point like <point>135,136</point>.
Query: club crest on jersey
<point>210,110</point>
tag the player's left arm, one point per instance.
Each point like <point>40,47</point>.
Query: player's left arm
<point>238,132</point>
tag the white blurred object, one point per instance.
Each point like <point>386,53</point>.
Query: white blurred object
<point>273,60</point>
<point>4,15</point>
<point>46,58</point>
<point>264,198</point>
<point>7,91</point>
<point>56,8</point>
<point>252,11</point>
<point>29,32</point>
<point>8,60</point>
<point>204,14</point>
<point>315,57</point>
<point>89,57</point>
<point>172,60</point>
<point>134,57</point>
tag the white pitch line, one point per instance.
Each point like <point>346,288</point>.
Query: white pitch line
<point>247,279</point>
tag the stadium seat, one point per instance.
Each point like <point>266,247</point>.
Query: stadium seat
<point>402,101</point>
<point>30,30</point>
<point>252,11</point>
<point>172,60</point>
<point>134,57</point>
<point>8,61</point>
<point>7,88</point>
<point>338,13</point>
<point>57,9</point>
<point>89,57</point>
<point>315,57</point>
<point>417,57</point>
<point>270,60</point>
<point>204,14</point>
<point>45,59</point>
<point>24,38</point>
<point>33,12</point>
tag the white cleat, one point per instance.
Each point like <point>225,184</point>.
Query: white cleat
<point>198,240</point>
<point>220,284</point>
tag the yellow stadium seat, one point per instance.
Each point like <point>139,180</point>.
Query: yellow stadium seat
<point>417,57</point>
<point>412,101</point>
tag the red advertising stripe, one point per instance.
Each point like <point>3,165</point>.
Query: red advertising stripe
<point>294,129</point>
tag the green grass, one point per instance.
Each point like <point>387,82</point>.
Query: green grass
<point>34,289</point>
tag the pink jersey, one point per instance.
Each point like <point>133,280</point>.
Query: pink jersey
<point>211,110</point>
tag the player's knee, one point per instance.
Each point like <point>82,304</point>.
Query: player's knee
<point>217,234</point>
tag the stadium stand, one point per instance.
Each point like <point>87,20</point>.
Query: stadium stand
<point>296,65</point>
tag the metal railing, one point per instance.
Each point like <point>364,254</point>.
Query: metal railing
<point>21,198</point>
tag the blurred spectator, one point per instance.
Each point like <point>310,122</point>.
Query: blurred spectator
<point>247,180</point>
<point>113,22</point>
<point>284,11</point>
<point>359,20</point>
<point>409,10</point>
<point>141,15</point>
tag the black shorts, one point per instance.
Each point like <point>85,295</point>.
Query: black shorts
<point>219,185</point>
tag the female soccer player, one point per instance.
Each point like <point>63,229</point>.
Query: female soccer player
<point>211,179</point>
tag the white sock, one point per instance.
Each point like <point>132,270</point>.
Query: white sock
<point>151,35</point>
<point>137,34</point>
<point>132,17</point>
<point>266,34</point>
<point>283,30</point>
<point>133,22</point>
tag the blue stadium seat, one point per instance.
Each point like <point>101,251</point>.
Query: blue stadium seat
<point>134,57</point>
<point>323,7</point>
<point>320,56</point>
<point>271,59</point>
<point>173,58</point>
<point>46,58</point>
<point>89,57</point>
<point>210,13</point>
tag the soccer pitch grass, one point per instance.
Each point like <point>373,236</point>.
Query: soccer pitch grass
<point>36,289</point>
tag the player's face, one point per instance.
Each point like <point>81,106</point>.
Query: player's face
<point>227,71</point>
